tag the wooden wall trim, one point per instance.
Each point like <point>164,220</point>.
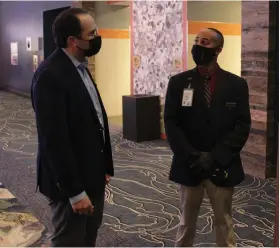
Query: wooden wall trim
<point>114,33</point>
<point>224,28</point>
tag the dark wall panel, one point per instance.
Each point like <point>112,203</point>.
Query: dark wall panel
<point>19,20</point>
<point>48,19</point>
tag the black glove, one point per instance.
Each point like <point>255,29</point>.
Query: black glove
<point>203,165</point>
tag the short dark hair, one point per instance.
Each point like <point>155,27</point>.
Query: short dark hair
<point>67,24</point>
<point>219,34</point>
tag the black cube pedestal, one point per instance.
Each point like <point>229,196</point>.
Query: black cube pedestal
<point>141,117</point>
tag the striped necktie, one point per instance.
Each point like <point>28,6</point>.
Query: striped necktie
<point>207,92</point>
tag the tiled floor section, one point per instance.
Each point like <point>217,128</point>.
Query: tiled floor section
<point>141,203</point>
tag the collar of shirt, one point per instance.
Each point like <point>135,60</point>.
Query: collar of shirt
<point>205,72</point>
<point>76,62</point>
<point>213,76</point>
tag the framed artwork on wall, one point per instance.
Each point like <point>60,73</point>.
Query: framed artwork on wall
<point>14,53</point>
<point>136,61</point>
<point>177,64</point>
<point>35,62</point>
<point>28,44</point>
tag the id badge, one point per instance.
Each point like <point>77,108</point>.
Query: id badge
<point>187,100</point>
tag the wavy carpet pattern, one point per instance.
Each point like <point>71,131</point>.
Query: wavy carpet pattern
<point>18,227</point>
<point>141,203</point>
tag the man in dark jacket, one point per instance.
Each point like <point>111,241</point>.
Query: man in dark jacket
<point>74,155</point>
<point>207,121</point>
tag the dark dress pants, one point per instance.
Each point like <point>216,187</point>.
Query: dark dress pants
<point>75,230</point>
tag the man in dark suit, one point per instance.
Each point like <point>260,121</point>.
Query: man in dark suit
<point>74,155</point>
<point>207,121</point>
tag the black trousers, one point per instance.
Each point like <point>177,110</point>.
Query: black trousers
<point>75,230</point>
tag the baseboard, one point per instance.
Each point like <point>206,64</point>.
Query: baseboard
<point>10,90</point>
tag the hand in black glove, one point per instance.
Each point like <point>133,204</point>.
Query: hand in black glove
<point>203,165</point>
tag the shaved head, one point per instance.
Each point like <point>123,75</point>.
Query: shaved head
<point>220,37</point>
<point>210,37</point>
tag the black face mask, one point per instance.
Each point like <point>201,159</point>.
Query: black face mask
<point>94,47</point>
<point>203,55</point>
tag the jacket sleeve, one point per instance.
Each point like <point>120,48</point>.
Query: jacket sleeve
<point>233,142</point>
<point>50,105</point>
<point>176,137</point>
<point>108,155</point>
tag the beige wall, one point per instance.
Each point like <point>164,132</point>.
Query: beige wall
<point>112,64</point>
<point>111,16</point>
<point>225,14</point>
<point>214,11</point>
<point>112,72</point>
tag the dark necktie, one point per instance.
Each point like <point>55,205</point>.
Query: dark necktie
<point>207,92</point>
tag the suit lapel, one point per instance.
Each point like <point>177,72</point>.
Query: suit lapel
<point>99,97</point>
<point>73,75</point>
<point>88,72</point>
<point>222,86</point>
<point>197,85</point>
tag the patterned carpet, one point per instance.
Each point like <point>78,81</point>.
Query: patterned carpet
<point>18,227</point>
<point>142,205</point>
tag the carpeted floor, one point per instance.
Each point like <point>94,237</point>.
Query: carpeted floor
<point>141,204</point>
<point>19,227</point>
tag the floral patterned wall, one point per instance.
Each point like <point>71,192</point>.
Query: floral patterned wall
<point>158,43</point>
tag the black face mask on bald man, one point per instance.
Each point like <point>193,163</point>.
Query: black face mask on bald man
<point>203,55</point>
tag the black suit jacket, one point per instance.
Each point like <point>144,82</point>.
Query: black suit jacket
<point>72,154</point>
<point>222,129</point>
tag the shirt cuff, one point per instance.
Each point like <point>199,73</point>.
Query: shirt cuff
<point>77,198</point>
